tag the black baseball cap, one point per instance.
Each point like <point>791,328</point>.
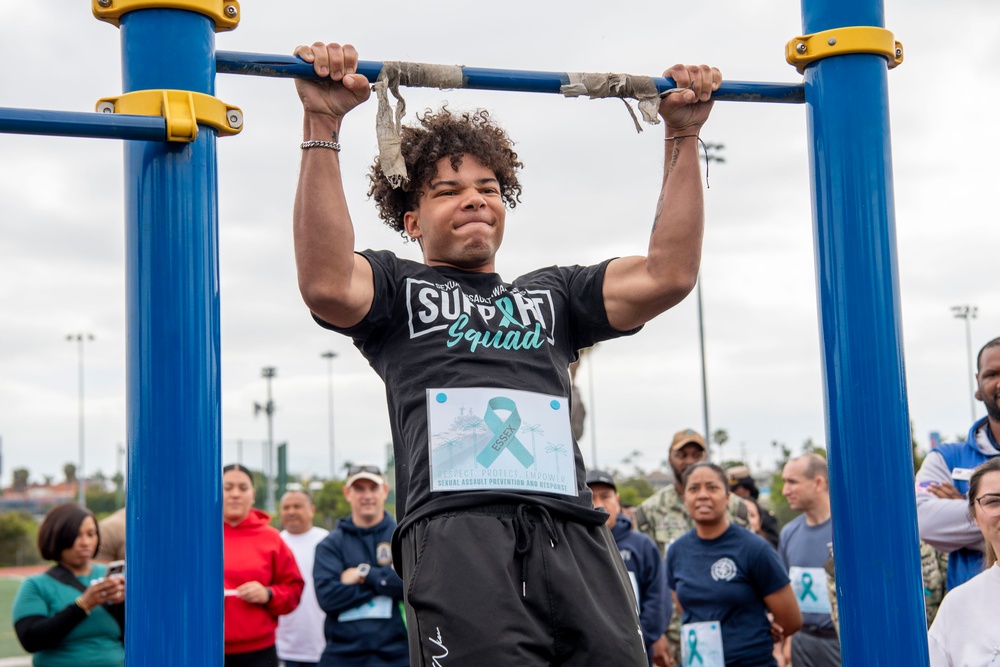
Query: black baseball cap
<point>601,477</point>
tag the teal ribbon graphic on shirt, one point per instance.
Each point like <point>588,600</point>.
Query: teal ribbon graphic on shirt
<point>504,434</point>
<point>693,648</point>
<point>506,308</point>
<point>807,585</point>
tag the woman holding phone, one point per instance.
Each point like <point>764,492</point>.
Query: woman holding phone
<point>72,614</point>
<point>725,580</point>
<point>261,578</point>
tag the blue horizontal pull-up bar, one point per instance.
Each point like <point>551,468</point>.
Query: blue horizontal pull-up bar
<point>153,128</point>
<point>482,78</point>
<point>82,124</point>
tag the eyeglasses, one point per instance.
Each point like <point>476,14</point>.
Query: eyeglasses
<point>354,470</point>
<point>990,504</point>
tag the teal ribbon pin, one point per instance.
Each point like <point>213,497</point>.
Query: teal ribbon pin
<point>693,648</point>
<point>504,434</point>
<point>807,585</point>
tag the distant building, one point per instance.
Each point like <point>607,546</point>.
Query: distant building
<point>37,499</point>
<point>659,479</point>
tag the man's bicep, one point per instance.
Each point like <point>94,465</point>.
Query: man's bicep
<point>633,295</point>
<point>623,293</point>
<point>344,308</point>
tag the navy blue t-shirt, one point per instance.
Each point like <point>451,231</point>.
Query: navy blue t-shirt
<point>726,580</point>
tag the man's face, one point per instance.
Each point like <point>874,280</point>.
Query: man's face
<point>685,457</point>
<point>296,512</point>
<point>801,491</point>
<point>607,498</point>
<point>459,219</point>
<point>367,501</point>
<point>988,381</point>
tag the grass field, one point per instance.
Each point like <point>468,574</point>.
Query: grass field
<point>9,647</point>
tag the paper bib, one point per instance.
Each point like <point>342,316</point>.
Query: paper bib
<point>701,644</point>
<point>499,439</point>
<point>379,607</point>
<point>809,584</point>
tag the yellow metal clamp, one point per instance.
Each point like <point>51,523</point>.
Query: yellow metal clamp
<point>182,109</point>
<point>803,50</point>
<point>225,13</point>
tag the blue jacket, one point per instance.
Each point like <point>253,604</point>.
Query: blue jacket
<point>365,642</point>
<point>642,559</point>
<point>964,564</point>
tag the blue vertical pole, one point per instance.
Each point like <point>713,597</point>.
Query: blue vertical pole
<point>879,587</point>
<point>174,547</point>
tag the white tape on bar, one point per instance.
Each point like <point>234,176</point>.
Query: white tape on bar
<point>388,123</point>
<point>598,86</point>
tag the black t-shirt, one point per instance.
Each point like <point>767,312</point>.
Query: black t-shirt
<point>440,327</point>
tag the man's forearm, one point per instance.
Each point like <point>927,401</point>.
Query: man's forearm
<point>674,253</point>
<point>945,525</point>
<point>322,227</point>
<point>322,222</point>
<point>637,289</point>
<point>942,522</point>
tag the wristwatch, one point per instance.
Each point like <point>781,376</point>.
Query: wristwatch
<point>364,569</point>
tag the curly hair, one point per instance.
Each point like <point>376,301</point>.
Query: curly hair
<point>440,135</point>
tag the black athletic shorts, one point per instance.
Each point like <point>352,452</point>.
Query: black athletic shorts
<point>511,585</point>
<point>265,657</point>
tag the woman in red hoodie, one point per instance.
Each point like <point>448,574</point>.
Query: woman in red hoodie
<point>261,578</point>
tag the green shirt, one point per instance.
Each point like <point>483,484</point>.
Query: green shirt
<point>95,642</point>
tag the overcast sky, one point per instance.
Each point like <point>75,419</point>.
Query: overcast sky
<point>590,186</point>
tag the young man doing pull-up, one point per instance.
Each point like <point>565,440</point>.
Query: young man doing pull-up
<point>503,558</point>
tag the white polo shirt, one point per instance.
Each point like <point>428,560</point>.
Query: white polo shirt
<point>300,636</point>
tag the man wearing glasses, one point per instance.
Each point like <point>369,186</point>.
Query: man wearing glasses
<point>355,583</point>
<point>943,479</point>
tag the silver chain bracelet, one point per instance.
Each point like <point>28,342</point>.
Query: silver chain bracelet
<point>333,145</point>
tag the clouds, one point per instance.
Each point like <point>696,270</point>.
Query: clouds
<point>590,188</point>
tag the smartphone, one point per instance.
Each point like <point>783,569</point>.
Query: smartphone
<point>116,568</point>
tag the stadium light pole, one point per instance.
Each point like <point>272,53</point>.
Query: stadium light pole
<point>968,313</point>
<point>268,373</point>
<point>80,338</point>
<point>710,155</point>
<point>330,355</point>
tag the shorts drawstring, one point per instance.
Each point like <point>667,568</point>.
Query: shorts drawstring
<point>522,537</point>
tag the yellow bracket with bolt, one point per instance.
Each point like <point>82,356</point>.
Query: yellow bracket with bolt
<point>182,109</point>
<point>803,50</point>
<point>225,13</point>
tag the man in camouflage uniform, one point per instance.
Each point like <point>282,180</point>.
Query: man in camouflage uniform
<point>663,516</point>
<point>742,484</point>
<point>933,566</point>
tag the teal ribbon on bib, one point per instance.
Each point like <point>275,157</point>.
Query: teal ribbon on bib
<point>693,648</point>
<point>807,585</point>
<point>504,434</point>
